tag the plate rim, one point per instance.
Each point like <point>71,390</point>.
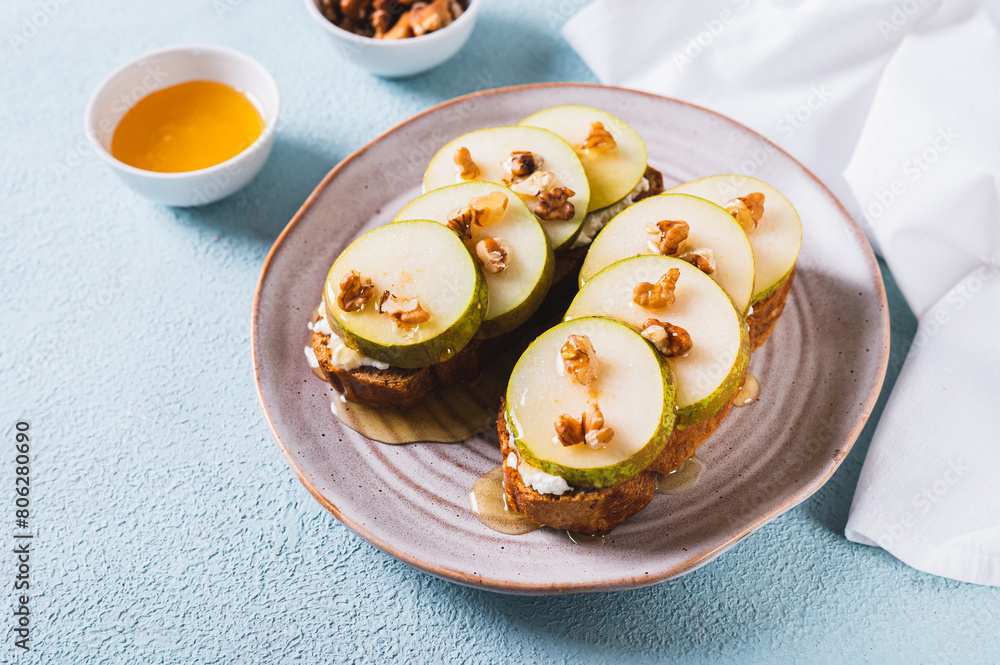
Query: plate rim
<point>689,565</point>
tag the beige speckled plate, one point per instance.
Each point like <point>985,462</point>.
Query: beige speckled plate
<point>820,371</point>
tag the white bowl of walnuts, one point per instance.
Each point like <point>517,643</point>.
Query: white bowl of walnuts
<point>396,38</point>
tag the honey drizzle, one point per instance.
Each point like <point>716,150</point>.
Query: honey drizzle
<point>748,392</point>
<point>449,415</point>
<point>682,479</point>
<point>489,505</point>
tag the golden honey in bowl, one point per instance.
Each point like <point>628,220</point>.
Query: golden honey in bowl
<point>186,127</point>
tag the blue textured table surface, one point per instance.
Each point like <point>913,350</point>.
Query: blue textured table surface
<point>168,527</point>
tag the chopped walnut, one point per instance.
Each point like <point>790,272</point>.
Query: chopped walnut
<point>659,295</point>
<point>381,22</point>
<point>747,210</point>
<point>411,317</point>
<point>355,9</point>
<point>355,292</point>
<point>670,340</point>
<point>701,258</point>
<point>404,313</point>
<point>535,184</point>
<point>481,211</point>
<point>669,234</point>
<point>599,139</point>
<point>569,430</point>
<point>430,17</point>
<point>522,163</point>
<point>467,169</point>
<point>402,30</point>
<point>588,429</point>
<point>579,359</point>
<point>488,208</point>
<point>555,204</point>
<point>494,254</point>
<point>460,221</point>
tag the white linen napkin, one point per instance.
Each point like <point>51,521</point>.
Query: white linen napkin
<point>895,105</point>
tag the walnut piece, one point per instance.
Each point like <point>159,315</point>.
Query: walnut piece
<point>355,9</point>
<point>659,295</point>
<point>494,254</point>
<point>411,317</point>
<point>670,340</point>
<point>488,208</point>
<point>747,210</point>
<point>461,220</point>
<point>701,258</point>
<point>481,211</point>
<point>554,204</point>
<point>599,139</point>
<point>522,163</point>
<point>668,235</point>
<point>402,30</point>
<point>404,313</point>
<point>535,184</point>
<point>430,17</point>
<point>579,359</point>
<point>355,292</point>
<point>589,429</point>
<point>381,22</point>
<point>467,169</point>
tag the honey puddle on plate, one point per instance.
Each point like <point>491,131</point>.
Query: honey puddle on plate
<point>490,506</point>
<point>748,392</point>
<point>449,415</point>
<point>681,480</point>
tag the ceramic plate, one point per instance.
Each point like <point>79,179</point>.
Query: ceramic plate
<point>820,371</point>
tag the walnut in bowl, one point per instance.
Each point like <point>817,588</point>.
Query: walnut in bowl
<point>396,38</point>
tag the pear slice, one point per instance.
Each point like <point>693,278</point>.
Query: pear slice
<point>490,151</point>
<point>612,173</point>
<point>711,372</point>
<point>632,388</point>
<point>418,262</point>
<point>517,290</point>
<point>777,237</point>
<point>709,225</point>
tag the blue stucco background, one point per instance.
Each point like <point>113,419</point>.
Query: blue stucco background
<point>168,528</point>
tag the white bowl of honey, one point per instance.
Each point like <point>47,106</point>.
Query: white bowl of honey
<point>185,126</point>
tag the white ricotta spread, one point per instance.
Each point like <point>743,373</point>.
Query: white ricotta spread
<point>512,460</point>
<point>341,356</point>
<point>541,482</point>
<point>311,357</point>
<point>595,221</point>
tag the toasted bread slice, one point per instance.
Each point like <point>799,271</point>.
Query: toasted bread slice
<point>393,387</point>
<point>767,312</point>
<point>595,512</point>
<point>600,511</point>
<point>655,179</point>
